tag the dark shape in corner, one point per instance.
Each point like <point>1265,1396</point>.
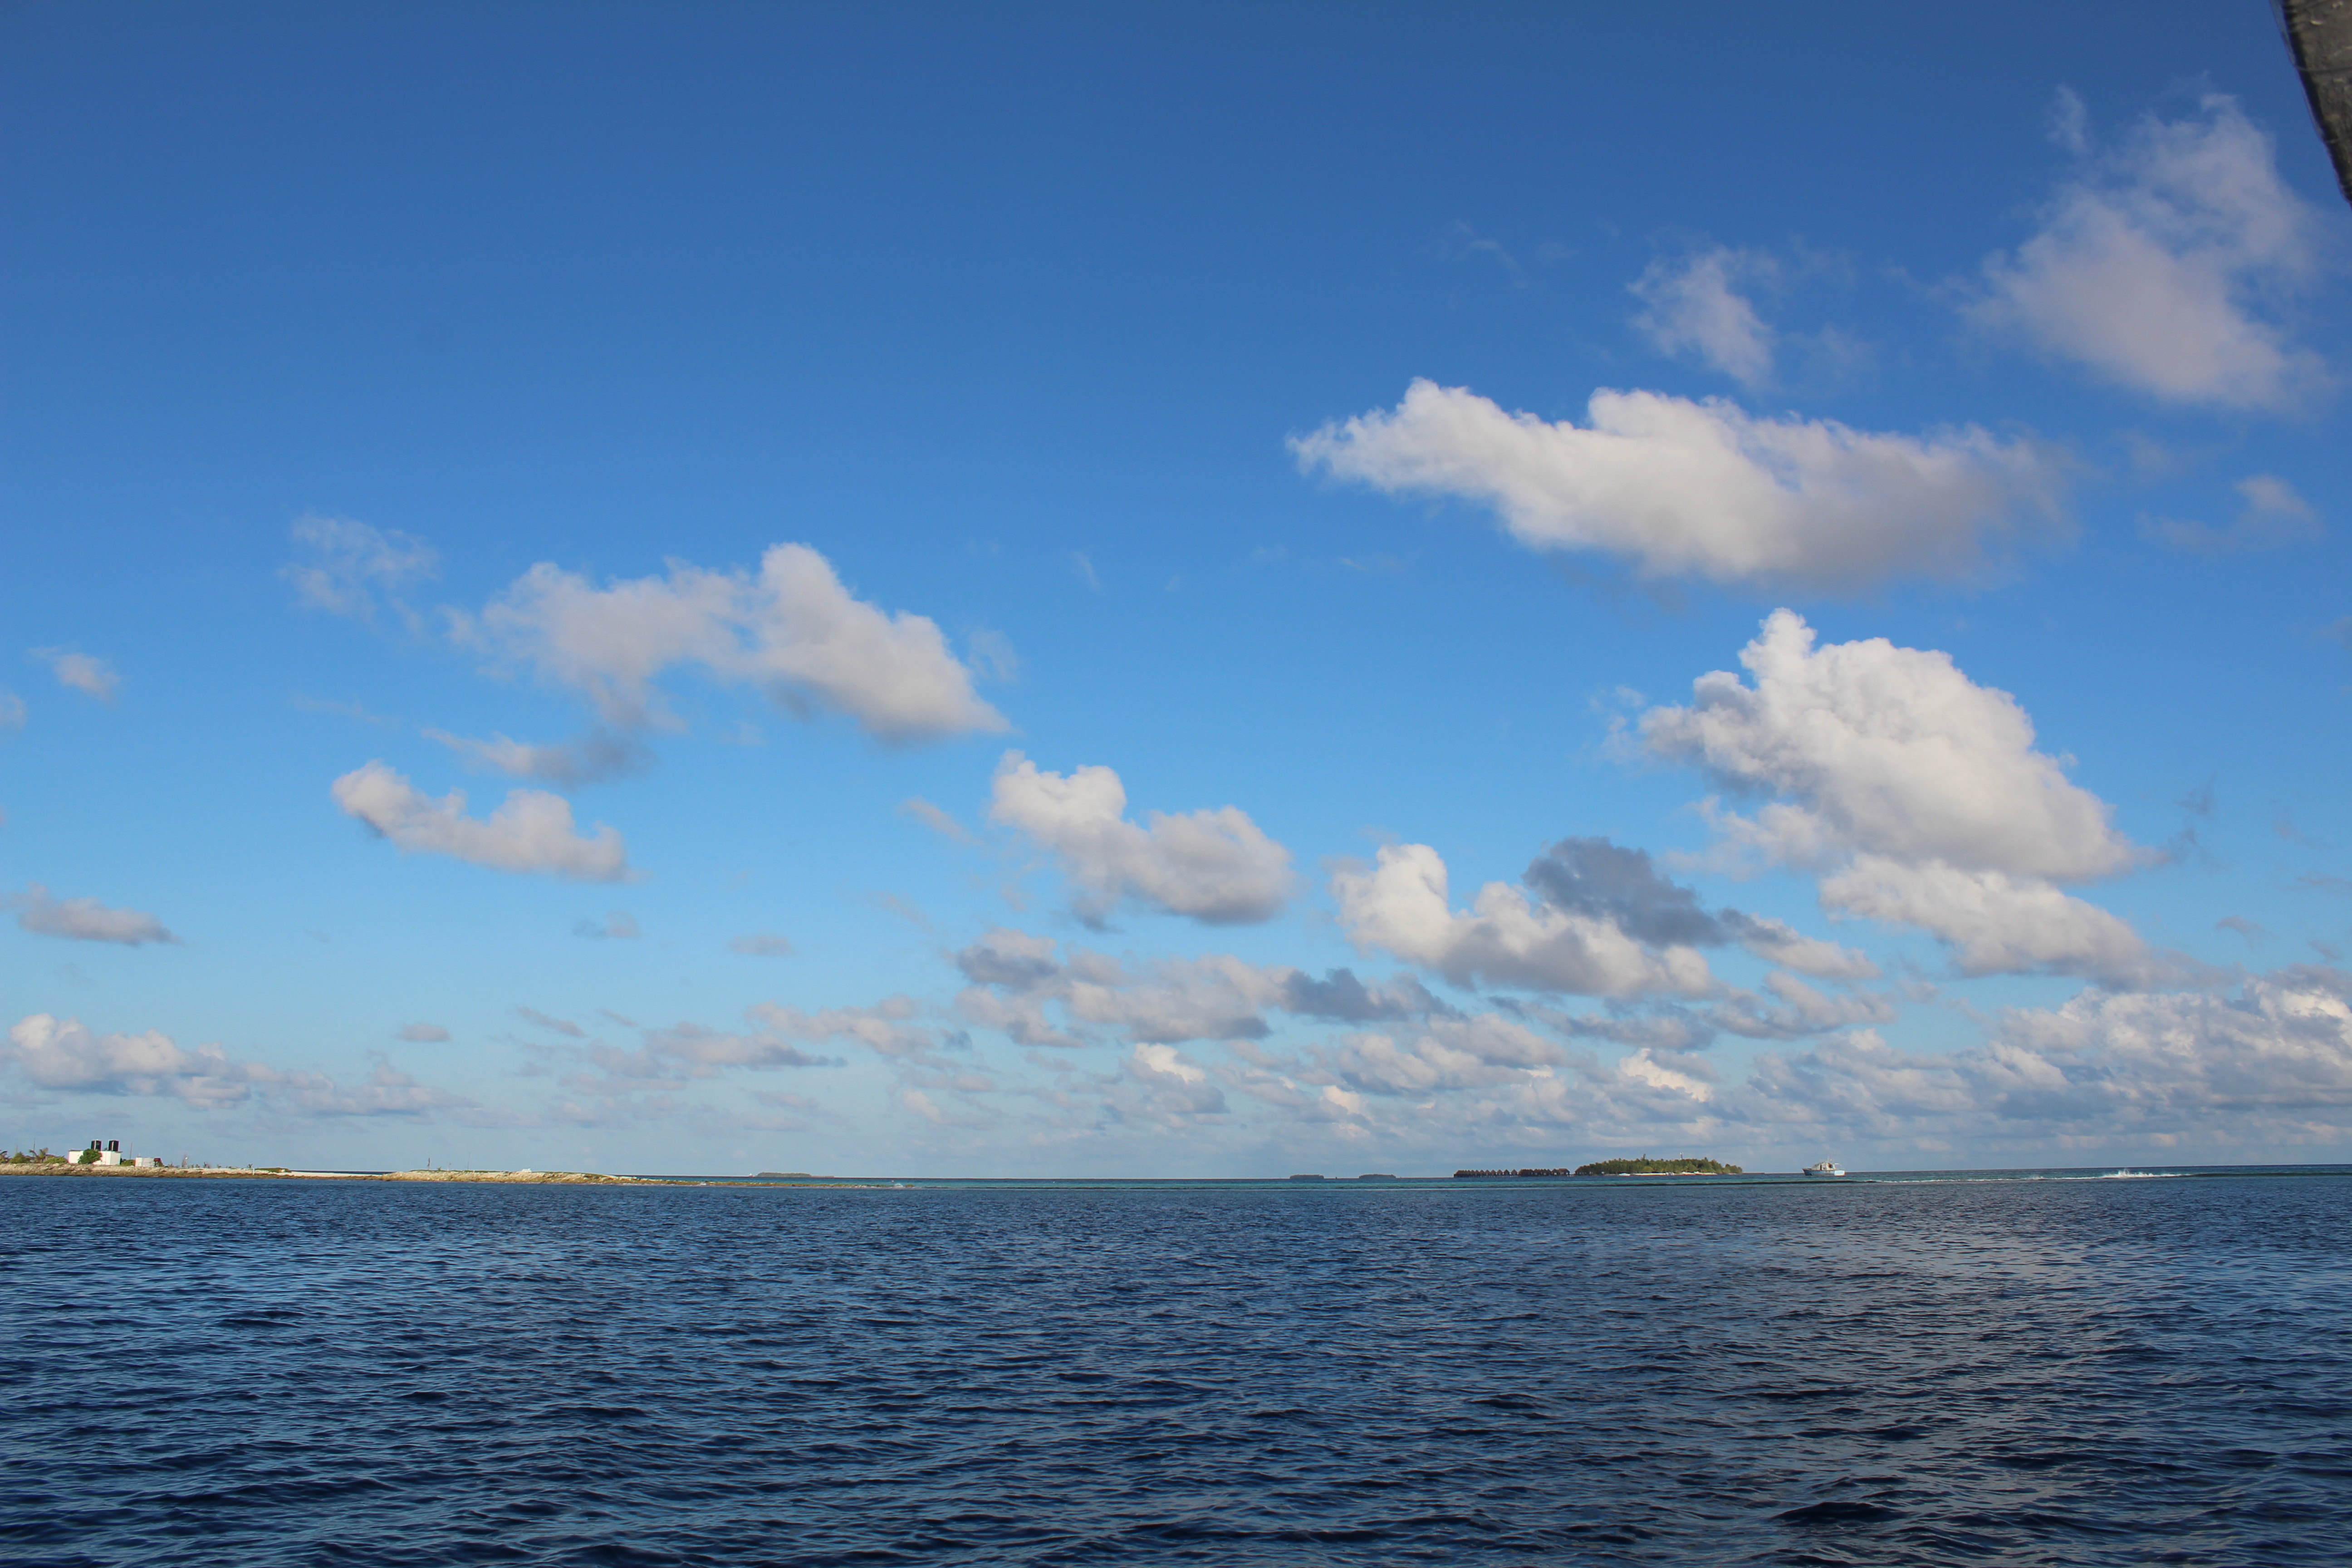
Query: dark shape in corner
<point>2319,35</point>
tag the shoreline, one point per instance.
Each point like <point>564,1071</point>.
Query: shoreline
<point>278,1174</point>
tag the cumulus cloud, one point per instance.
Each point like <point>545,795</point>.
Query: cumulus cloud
<point>66,1055</point>
<point>387,1091</point>
<point>2160,265</point>
<point>422,1034</point>
<point>1401,906</point>
<point>793,630</point>
<point>1611,882</point>
<point>346,564</point>
<point>84,919</point>
<point>2273,516</point>
<point>84,673</point>
<point>1795,1009</point>
<point>1920,792</point>
<point>532,832</point>
<point>1446,1054</point>
<point>1995,923</point>
<point>548,1021</point>
<point>1684,489</point>
<point>1775,942</point>
<point>1340,996</point>
<point>1693,305</point>
<point>1015,978</point>
<point>2272,1063</point>
<point>762,944</point>
<point>1214,867</point>
<point>698,1052</point>
<point>887,1027</point>
<point>593,758</point>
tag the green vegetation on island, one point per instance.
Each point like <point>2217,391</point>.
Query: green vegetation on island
<point>1645,1166</point>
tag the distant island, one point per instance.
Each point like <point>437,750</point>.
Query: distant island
<point>1646,1166</point>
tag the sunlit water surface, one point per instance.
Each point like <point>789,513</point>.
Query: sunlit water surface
<point>2048,1372</point>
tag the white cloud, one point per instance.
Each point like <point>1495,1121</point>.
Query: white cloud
<point>2273,516</point>
<point>84,919</point>
<point>1705,489</point>
<point>1214,867</point>
<point>387,1091</point>
<point>699,1052</point>
<point>594,757</point>
<point>2270,1067</point>
<point>1921,792</point>
<point>1163,1087</point>
<point>1796,1008</point>
<point>532,832</point>
<point>1016,978</point>
<point>1892,750</point>
<point>64,1053</point>
<point>1170,1061</point>
<point>885,1028</point>
<point>67,1054</point>
<point>1209,998</point>
<point>12,712</point>
<point>1776,942</point>
<point>349,563</point>
<point>1994,922</point>
<point>422,1034</point>
<point>1693,305</point>
<point>762,944</point>
<point>1447,1054</point>
<point>1401,906</point>
<point>2160,266</point>
<point>793,631</point>
<point>90,675</point>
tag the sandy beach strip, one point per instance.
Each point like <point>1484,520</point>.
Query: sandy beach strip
<point>278,1173</point>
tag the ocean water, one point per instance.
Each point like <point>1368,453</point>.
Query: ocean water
<point>1898,1372</point>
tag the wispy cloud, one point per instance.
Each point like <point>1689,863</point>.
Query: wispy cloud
<point>2272,517</point>
<point>617,925</point>
<point>84,919</point>
<point>349,568</point>
<point>1697,305</point>
<point>82,673</point>
<point>2159,264</point>
<point>762,944</point>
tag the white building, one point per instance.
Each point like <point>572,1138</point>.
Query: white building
<point>108,1152</point>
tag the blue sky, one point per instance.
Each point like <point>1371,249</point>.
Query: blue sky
<point>1171,590</point>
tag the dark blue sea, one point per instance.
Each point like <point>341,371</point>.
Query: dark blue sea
<point>1995,1371</point>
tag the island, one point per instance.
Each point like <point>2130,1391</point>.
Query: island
<point>1645,1165</point>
